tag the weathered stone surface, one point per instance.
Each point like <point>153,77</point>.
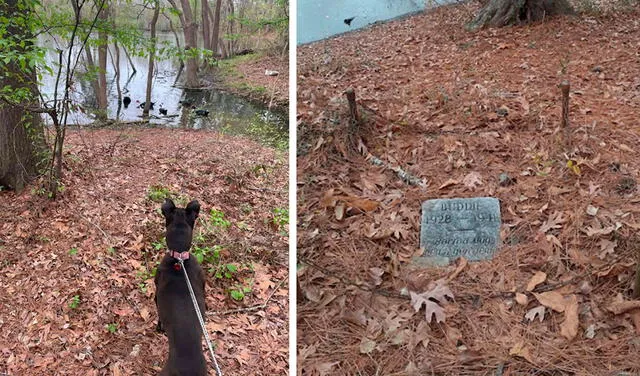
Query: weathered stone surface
<point>451,228</point>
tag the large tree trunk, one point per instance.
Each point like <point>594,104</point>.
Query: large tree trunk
<point>497,13</point>
<point>190,41</point>
<point>21,133</point>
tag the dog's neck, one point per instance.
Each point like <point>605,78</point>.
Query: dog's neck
<point>178,255</point>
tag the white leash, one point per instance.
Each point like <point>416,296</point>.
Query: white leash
<point>195,305</point>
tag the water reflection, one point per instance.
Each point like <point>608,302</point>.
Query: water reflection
<point>226,112</point>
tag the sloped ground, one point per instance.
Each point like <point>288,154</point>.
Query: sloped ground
<point>456,109</point>
<point>245,75</point>
<point>102,238</point>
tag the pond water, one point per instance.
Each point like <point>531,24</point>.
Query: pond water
<point>228,113</point>
<point>322,19</point>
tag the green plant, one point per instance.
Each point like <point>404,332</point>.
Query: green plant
<point>226,271</point>
<point>238,292</point>
<point>73,251</point>
<point>75,302</point>
<point>157,193</point>
<point>112,328</point>
<point>206,255</point>
<point>280,217</point>
<point>111,251</point>
<point>216,218</point>
<point>159,245</point>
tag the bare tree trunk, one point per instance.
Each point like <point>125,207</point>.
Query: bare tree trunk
<point>190,41</point>
<point>101,95</point>
<point>90,66</point>
<point>152,55</point>
<point>21,132</point>
<point>206,24</point>
<point>231,50</point>
<point>215,33</point>
<point>117,72</point>
<point>133,66</point>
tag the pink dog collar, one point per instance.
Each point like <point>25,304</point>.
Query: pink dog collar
<point>178,255</point>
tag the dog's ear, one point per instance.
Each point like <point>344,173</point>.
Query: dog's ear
<point>168,207</point>
<point>193,207</point>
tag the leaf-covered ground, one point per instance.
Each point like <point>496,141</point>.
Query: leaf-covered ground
<point>245,75</point>
<point>77,272</point>
<point>455,110</point>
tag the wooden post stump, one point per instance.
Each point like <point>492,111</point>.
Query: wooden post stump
<point>565,113</point>
<point>353,109</point>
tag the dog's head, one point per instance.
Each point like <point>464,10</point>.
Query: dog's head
<point>180,223</point>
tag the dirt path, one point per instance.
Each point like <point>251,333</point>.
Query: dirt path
<point>77,272</point>
<point>457,109</point>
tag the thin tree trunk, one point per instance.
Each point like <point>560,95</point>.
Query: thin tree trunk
<point>101,95</point>
<point>117,72</point>
<point>152,55</point>
<point>215,33</point>
<point>133,66</point>
<point>175,35</point>
<point>231,22</point>
<point>206,24</point>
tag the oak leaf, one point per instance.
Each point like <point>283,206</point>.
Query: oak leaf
<point>439,293</point>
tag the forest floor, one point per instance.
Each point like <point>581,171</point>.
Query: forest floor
<point>77,272</point>
<point>456,109</point>
<point>245,75</point>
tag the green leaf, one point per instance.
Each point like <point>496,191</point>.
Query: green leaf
<point>237,295</point>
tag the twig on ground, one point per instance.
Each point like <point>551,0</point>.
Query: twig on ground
<point>107,236</point>
<point>252,308</point>
<point>265,190</point>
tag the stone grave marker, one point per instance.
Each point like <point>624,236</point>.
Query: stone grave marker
<point>455,227</point>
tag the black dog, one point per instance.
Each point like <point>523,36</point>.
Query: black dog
<point>176,314</point>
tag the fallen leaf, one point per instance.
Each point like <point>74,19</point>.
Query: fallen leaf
<point>454,335</point>
<point>448,183</point>
<point>607,247</point>
<point>144,313</point>
<point>635,317</point>
<point>339,211</point>
<point>522,299</point>
<point>360,203</point>
<point>521,350</point>
<point>438,293</point>
<point>621,307</point>
<point>537,279</point>
<point>367,345</point>
<point>554,221</point>
<point>533,312</point>
<point>592,210</point>
<point>569,327</point>
<point>376,275</point>
<point>551,299</point>
<point>325,368</point>
<point>472,179</point>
